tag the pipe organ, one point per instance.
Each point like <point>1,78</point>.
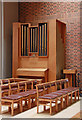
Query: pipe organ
<point>43,39</point>
<point>39,47</point>
<point>24,40</point>
<point>33,39</point>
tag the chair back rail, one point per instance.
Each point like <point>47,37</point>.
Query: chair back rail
<point>25,85</point>
<point>13,80</point>
<point>55,84</point>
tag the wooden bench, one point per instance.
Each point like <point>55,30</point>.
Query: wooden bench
<point>5,90</point>
<point>58,91</point>
<point>29,95</point>
<point>12,85</point>
<point>12,88</point>
<point>4,81</point>
<point>13,80</point>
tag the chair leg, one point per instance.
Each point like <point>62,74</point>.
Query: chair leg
<point>78,94</point>
<point>44,108</point>
<point>12,110</point>
<point>32,101</point>
<point>75,96</point>
<point>61,102</point>
<point>9,108</point>
<point>50,107</point>
<point>37,106</point>
<point>18,105</point>
<point>67,99</point>
<point>56,106</point>
<point>25,102</point>
<point>21,109</point>
<point>35,100</point>
<point>0,109</point>
<point>71,98</point>
<point>29,103</point>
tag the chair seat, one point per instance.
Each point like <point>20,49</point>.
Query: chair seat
<point>58,93</point>
<point>5,81</point>
<point>34,91</point>
<point>4,90</point>
<point>70,89</point>
<point>48,96</point>
<point>22,87</point>
<point>14,88</point>
<point>27,93</point>
<point>22,84</point>
<point>23,94</point>
<point>12,97</point>
<point>52,95</point>
<point>4,87</point>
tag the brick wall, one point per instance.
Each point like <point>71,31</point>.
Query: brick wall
<point>68,12</point>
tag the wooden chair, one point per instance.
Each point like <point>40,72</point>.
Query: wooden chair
<point>4,81</point>
<point>5,90</point>
<point>58,93</point>
<point>19,92</point>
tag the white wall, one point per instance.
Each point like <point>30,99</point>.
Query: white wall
<point>10,15</point>
<point>0,43</point>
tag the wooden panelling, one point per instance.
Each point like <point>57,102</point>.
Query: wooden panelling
<point>30,72</point>
<point>36,61</point>
<point>59,50</point>
<point>33,62</point>
<point>69,71</point>
<point>52,50</point>
<point>71,75</point>
<point>15,49</point>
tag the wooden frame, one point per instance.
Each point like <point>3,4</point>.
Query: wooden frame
<point>18,82</point>
<point>11,104</point>
<point>30,53</point>
<point>7,101</point>
<point>37,72</point>
<point>20,38</point>
<point>70,74</point>
<point>59,95</point>
<point>50,61</point>
<point>47,39</point>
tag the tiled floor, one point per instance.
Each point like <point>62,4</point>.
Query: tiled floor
<point>69,112</point>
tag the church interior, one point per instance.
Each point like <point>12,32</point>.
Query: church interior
<point>41,59</point>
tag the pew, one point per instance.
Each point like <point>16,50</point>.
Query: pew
<point>58,91</point>
<point>19,92</point>
<point>11,85</point>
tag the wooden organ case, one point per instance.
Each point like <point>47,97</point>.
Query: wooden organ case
<point>38,51</point>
